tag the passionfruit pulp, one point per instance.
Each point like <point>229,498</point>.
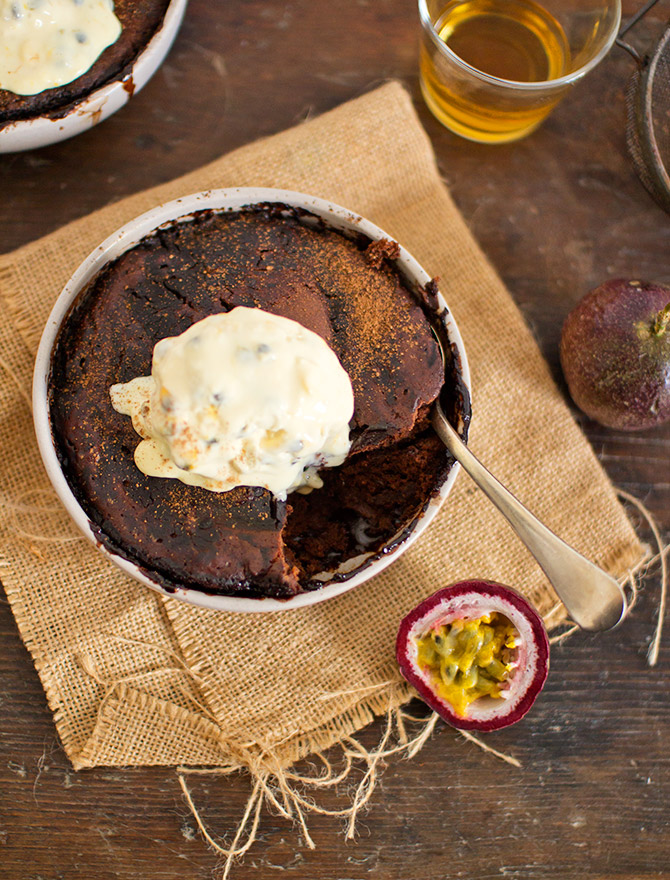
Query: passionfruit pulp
<point>477,652</point>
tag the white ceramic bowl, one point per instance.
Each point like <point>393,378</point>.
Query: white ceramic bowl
<point>29,134</point>
<point>121,241</point>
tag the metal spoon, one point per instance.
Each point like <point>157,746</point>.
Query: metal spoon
<point>593,598</point>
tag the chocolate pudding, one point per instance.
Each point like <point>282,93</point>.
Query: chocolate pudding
<point>246,541</point>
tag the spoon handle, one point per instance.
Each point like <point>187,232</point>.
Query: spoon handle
<point>593,598</point>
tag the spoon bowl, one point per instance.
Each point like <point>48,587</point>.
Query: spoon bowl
<point>594,599</point>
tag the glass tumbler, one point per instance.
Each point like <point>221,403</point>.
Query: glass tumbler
<point>492,70</point>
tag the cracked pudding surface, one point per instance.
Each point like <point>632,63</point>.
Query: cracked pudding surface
<point>246,542</point>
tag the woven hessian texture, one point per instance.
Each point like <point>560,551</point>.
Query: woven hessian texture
<point>133,678</point>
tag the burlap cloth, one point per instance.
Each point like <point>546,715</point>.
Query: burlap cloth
<point>133,678</point>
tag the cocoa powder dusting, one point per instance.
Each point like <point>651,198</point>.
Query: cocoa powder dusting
<point>235,542</point>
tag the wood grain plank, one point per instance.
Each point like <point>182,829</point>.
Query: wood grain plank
<point>556,214</point>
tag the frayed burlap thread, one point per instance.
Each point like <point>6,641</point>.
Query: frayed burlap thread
<point>641,571</point>
<point>192,687</point>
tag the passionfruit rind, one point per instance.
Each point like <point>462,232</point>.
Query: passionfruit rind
<point>615,354</point>
<point>471,600</point>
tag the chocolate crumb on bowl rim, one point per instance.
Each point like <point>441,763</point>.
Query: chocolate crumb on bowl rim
<point>353,571</point>
<point>96,106</point>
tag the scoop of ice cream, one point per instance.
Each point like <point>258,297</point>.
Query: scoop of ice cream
<point>243,398</point>
<point>47,43</point>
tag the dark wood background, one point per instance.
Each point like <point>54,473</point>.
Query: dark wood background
<point>557,214</point>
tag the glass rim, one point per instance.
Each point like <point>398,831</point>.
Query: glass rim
<point>520,85</point>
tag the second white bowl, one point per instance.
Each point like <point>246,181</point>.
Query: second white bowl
<point>29,134</point>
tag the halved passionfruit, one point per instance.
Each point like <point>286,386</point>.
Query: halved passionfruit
<point>477,652</point>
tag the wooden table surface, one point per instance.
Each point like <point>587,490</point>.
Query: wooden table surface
<point>557,214</point>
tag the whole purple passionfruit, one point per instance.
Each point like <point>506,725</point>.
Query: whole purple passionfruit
<point>615,354</point>
<point>477,652</point>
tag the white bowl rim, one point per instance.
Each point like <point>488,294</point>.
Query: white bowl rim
<point>41,131</point>
<point>122,240</point>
